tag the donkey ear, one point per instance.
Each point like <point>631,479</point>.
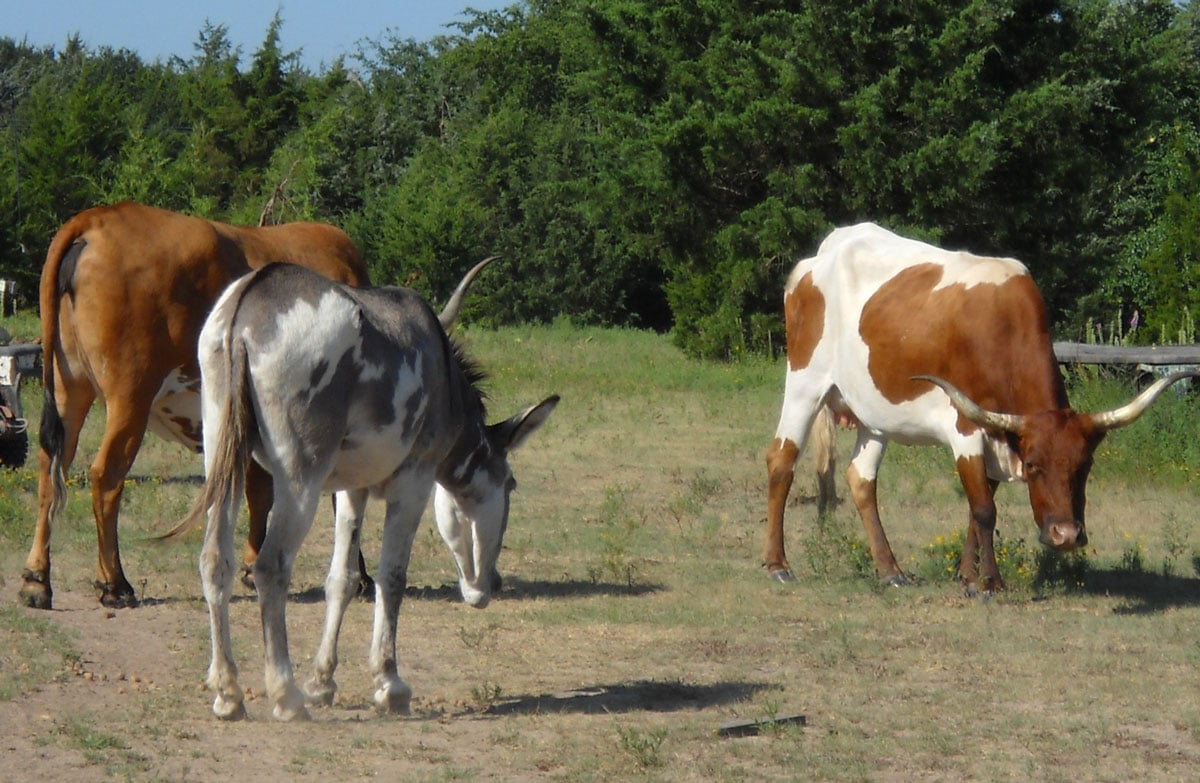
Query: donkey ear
<point>510,434</point>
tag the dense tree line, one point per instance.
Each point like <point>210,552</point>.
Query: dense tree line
<point>659,163</point>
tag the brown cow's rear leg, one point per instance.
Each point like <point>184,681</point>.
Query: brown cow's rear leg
<point>123,433</point>
<point>36,591</point>
<point>258,499</point>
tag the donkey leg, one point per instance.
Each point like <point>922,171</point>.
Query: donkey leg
<point>407,498</point>
<point>341,585</point>
<point>291,517</point>
<point>216,574</point>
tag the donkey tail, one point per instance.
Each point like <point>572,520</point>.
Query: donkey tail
<point>226,466</point>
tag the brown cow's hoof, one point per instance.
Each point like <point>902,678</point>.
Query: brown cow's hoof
<point>783,575</point>
<point>248,577</point>
<point>896,580</point>
<point>36,592</point>
<point>116,596</point>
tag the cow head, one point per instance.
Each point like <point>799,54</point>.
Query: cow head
<point>1056,449</point>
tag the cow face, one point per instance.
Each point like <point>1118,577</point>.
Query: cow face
<point>1056,449</point>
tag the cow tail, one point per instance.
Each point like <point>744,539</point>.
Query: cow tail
<point>223,484</point>
<point>824,453</point>
<point>55,284</point>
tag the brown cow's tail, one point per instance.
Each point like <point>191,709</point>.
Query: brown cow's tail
<point>57,277</point>
<point>225,472</point>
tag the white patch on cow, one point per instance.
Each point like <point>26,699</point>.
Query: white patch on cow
<point>175,412</point>
<point>967,270</point>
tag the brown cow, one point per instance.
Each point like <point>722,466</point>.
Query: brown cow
<point>124,293</point>
<point>922,345</point>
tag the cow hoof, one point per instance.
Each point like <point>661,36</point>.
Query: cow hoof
<point>248,577</point>
<point>783,575</point>
<point>36,592</point>
<point>896,580</point>
<point>116,597</point>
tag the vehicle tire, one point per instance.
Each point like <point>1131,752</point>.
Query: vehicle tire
<point>14,450</point>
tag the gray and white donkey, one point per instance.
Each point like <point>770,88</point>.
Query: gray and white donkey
<point>357,390</point>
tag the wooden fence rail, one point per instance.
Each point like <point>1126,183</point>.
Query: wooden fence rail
<point>1085,353</point>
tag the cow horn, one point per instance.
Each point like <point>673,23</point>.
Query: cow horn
<point>450,311</point>
<point>993,420</point>
<point>1129,413</point>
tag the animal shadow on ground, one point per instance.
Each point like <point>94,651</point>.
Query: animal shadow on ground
<point>1147,592</point>
<point>642,695</point>
<point>515,589</point>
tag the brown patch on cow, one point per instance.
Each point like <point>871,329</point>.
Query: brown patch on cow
<point>1003,361</point>
<point>804,313</point>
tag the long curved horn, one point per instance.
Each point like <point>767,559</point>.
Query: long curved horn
<point>1129,413</point>
<point>993,420</point>
<point>454,304</point>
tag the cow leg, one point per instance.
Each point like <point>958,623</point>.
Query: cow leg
<point>407,497</point>
<point>258,501</point>
<point>781,461</point>
<point>979,546</point>
<point>341,585</point>
<point>76,401</point>
<point>290,519</point>
<point>123,432</point>
<point>795,422</point>
<point>861,475</point>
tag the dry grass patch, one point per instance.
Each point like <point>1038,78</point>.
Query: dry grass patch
<point>636,618</point>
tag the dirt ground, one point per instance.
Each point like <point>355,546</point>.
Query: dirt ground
<point>132,706</point>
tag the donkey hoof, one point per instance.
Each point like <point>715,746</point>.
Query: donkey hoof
<point>320,694</point>
<point>229,709</point>
<point>394,699</point>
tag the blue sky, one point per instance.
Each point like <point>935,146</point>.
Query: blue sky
<point>159,29</point>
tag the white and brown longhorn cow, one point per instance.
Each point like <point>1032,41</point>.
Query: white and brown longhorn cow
<point>124,293</point>
<point>928,346</point>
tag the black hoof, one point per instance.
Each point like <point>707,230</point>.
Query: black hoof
<point>896,580</point>
<point>115,597</point>
<point>248,577</point>
<point>783,576</point>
